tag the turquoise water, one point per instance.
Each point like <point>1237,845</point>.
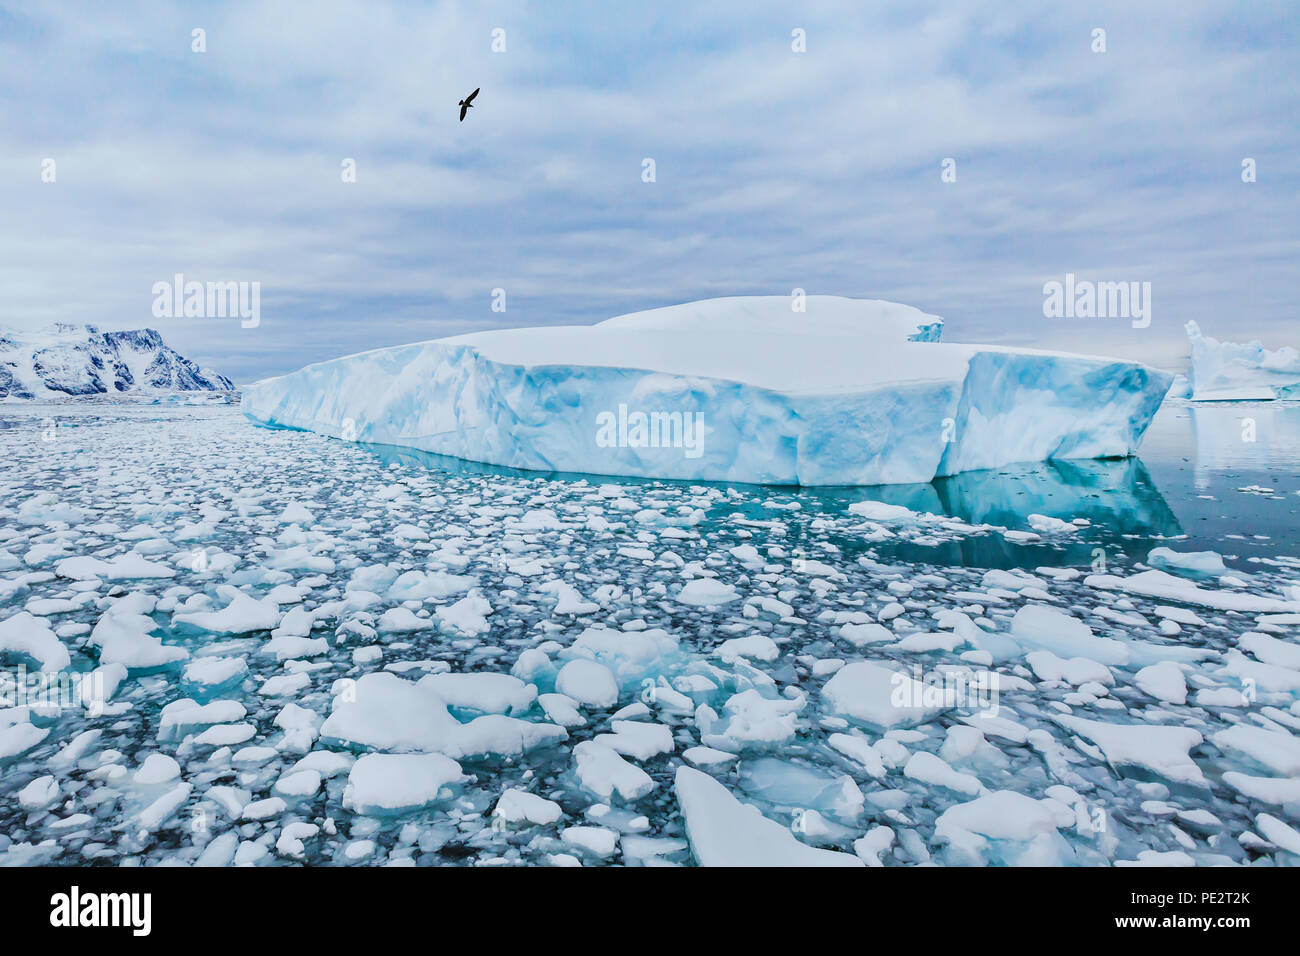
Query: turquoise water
<point>1180,490</point>
<point>1199,456</point>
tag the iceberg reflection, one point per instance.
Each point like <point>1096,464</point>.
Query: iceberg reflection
<point>1117,497</point>
<point>1243,438</point>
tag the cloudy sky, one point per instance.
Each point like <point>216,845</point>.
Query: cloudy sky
<point>774,169</point>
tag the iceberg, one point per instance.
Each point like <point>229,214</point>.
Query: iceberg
<point>1228,371</point>
<point>847,392</point>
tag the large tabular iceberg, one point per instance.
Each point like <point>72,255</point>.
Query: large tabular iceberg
<point>746,389</point>
<point>1227,371</point>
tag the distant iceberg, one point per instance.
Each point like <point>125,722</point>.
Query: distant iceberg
<point>846,392</point>
<point>1227,371</point>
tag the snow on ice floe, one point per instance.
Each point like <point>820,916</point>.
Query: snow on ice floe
<point>743,389</point>
<point>1227,371</point>
<point>1005,827</point>
<point>1207,564</point>
<point>382,711</point>
<point>725,832</point>
<point>865,690</point>
<point>390,783</point>
<point>515,678</point>
<point>1160,584</point>
<point>31,637</point>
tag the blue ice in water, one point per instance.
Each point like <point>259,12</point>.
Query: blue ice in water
<point>388,657</point>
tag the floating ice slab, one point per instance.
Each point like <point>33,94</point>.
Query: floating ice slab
<point>1002,826</point>
<point>1227,371</point>
<point>1160,750</point>
<point>1159,584</point>
<point>32,637</point>
<point>393,783</point>
<point>725,832</point>
<point>384,712</point>
<point>1037,626</point>
<point>875,694</point>
<point>741,389</point>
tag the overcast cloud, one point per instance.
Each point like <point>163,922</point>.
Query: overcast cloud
<point>774,169</point>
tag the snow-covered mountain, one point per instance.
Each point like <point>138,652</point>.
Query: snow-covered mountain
<point>65,359</point>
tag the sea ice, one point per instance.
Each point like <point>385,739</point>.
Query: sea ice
<point>384,712</point>
<point>31,637</point>
<point>518,806</point>
<point>601,770</point>
<point>1277,750</point>
<point>798,696</point>
<point>877,695</point>
<point>587,682</point>
<point>1195,563</point>
<point>1150,747</point>
<point>395,783</point>
<point>725,832</point>
<point>1039,626</point>
<point>750,720</point>
<point>483,693</point>
<point>241,615</point>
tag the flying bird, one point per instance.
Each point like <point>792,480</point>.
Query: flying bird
<point>466,104</point>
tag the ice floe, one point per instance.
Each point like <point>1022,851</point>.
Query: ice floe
<point>361,658</point>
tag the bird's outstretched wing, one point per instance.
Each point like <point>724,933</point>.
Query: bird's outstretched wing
<point>464,108</point>
<point>470,98</point>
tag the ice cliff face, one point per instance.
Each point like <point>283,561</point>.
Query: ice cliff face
<point>1227,371</point>
<point>848,392</point>
<point>67,359</point>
